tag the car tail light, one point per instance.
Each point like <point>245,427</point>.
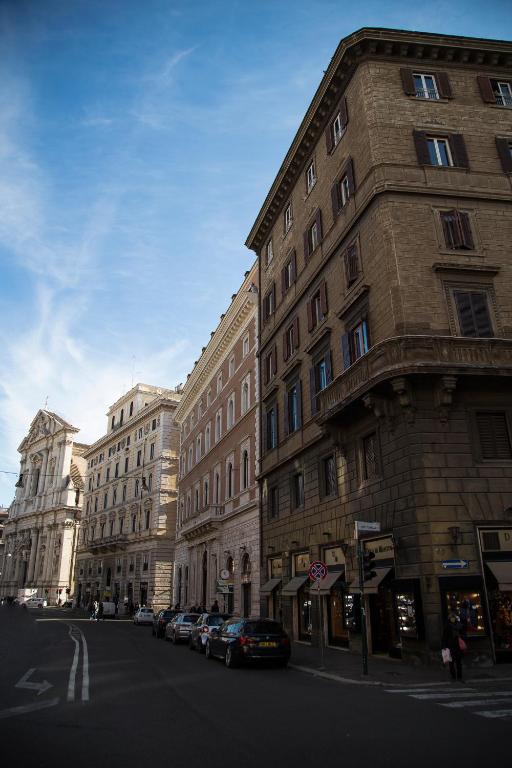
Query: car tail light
<point>244,640</point>
<point>285,640</point>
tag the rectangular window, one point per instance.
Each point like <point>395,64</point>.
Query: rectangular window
<point>504,147</point>
<point>139,457</point>
<point>351,263</point>
<point>439,151</point>
<point>343,188</point>
<point>231,366</point>
<point>313,235</point>
<point>271,427</point>
<point>355,343</point>
<point>246,346</point>
<point>269,303</point>
<point>425,86</point>
<point>473,313</point>
<point>291,340</point>
<point>126,464</point>
<point>457,230</point>
<point>503,92</point>
<point>273,503</point>
<point>107,478</point>
<point>370,468</point>
<point>330,485</point>
<point>270,365</point>
<point>292,413</point>
<point>494,435</point>
<point>310,176</point>
<point>320,376</point>
<point>269,252</point>
<point>289,273</point>
<point>317,306</point>
<point>298,490</point>
<point>152,451</point>
<point>288,217</point>
<point>337,126</point>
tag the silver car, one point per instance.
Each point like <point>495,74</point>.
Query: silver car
<point>143,616</point>
<point>180,627</point>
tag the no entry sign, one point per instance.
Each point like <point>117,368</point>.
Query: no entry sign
<point>317,571</point>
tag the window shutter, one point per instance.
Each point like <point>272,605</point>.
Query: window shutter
<point>407,81</point>
<point>265,369</point>
<point>420,142</point>
<point>329,138</point>
<point>344,112</point>
<point>494,435</point>
<point>349,170</point>
<point>503,147</point>
<point>465,230</point>
<point>274,360</point>
<point>276,408</point>
<point>283,281</point>
<point>345,351</point>
<point>296,336</point>
<point>310,315</point>
<point>466,322</point>
<point>458,147</point>
<point>273,297</point>
<point>323,298</point>
<point>335,199</point>
<point>443,85</point>
<point>299,403</point>
<point>312,391</point>
<point>481,314</point>
<point>449,228</point>
<point>294,264</point>
<point>318,219</point>
<point>286,422</point>
<point>328,367</point>
<point>306,245</point>
<point>486,90</point>
<point>286,354</point>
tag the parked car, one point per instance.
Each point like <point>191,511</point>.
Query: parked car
<point>248,640</point>
<point>179,627</point>
<point>161,620</point>
<point>201,629</point>
<point>143,616</point>
<point>36,602</point>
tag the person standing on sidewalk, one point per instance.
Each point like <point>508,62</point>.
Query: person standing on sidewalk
<point>452,639</point>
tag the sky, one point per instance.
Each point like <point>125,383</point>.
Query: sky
<point>138,141</point>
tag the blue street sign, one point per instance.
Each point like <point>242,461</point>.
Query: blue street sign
<point>455,563</point>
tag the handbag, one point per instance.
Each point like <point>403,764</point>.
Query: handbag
<point>462,645</point>
<point>447,657</point>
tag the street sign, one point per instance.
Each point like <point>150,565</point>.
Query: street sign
<point>317,571</point>
<point>225,574</point>
<point>455,564</point>
<point>363,526</point>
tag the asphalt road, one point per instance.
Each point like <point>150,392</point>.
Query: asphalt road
<point>140,700</point>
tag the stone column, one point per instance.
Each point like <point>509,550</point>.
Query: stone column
<point>44,470</point>
<point>50,537</point>
<point>34,536</point>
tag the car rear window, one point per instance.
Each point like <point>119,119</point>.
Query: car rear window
<point>190,618</point>
<point>215,621</point>
<point>263,628</point>
<point>168,614</point>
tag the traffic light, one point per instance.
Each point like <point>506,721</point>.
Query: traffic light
<point>368,565</point>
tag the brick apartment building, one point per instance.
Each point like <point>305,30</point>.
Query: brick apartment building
<point>217,534</point>
<point>126,545</point>
<point>386,347</point>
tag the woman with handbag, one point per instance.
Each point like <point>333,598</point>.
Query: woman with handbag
<point>453,640</point>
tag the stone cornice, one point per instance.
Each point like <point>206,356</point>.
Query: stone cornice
<point>368,43</point>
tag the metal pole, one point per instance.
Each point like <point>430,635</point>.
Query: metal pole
<point>364,638</point>
<point>321,626</point>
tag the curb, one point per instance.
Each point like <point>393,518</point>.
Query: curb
<point>330,676</point>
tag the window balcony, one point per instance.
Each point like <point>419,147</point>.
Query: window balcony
<point>504,99</point>
<point>116,543</point>
<point>202,522</point>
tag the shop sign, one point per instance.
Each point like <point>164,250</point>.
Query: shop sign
<point>366,527</point>
<point>301,563</point>
<point>276,567</point>
<point>224,588</point>
<point>383,548</point>
<point>496,539</point>
<point>334,557</point>
<point>455,564</point>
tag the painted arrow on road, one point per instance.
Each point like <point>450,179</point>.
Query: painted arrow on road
<point>39,687</point>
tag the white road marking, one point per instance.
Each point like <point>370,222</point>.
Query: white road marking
<point>85,669</point>
<point>13,711</point>
<point>475,703</point>
<point>495,713</point>
<point>455,695</point>
<point>417,690</point>
<point>39,687</point>
<point>74,665</point>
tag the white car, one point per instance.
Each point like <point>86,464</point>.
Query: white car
<point>36,602</point>
<point>144,616</point>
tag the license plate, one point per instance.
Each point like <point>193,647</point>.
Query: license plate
<point>266,644</point>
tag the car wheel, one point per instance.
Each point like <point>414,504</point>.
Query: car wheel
<point>229,660</point>
<point>208,651</point>
<point>174,639</point>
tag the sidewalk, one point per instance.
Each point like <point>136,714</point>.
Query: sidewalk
<point>345,666</point>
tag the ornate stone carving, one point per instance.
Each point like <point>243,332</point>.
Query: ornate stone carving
<point>382,409</point>
<point>403,389</point>
<point>444,396</point>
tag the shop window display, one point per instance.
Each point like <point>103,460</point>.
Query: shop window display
<point>500,605</point>
<point>406,614</point>
<point>468,606</point>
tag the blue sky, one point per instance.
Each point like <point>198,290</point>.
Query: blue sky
<point>137,143</point>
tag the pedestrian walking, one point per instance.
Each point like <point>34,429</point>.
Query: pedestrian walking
<point>453,641</point>
<point>100,612</point>
<point>215,607</point>
<point>96,606</point>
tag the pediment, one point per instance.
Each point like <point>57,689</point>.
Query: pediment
<point>44,424</point>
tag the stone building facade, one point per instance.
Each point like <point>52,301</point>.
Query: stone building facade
<point>217,535</point>
<point>126,547</point>
<point>386,347</point>
<point>41,531</point>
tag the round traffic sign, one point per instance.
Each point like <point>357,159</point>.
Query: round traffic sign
<point>317,571</point>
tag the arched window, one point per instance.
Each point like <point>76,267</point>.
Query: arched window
<point>112,527</point>
<point>196,500</point>
<point>148,516</point>
<point>121,524</point>
<point>124,492</point>
<point>231,412</point>
<point>245,397</point>
<point>230,480</point>
<point>207,438</point>
<point>206,499</point>
<point>102,530</point>
<point>150,483</point>
<point>246,565</point>
<point>131,408</point>
<point>121,418</point>
<point>134,523</point>
<point>217,487</point>
<point>245,470</point>
<point>136,488</point>
<point>218,427</point>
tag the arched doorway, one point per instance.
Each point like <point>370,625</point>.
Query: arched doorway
<point>204,579</point>
<point>246,586</point>
<point>230,566</point>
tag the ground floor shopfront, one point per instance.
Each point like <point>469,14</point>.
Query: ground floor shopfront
<point>133,574</point>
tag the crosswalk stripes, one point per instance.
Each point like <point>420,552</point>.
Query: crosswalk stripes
<point>467,699</point>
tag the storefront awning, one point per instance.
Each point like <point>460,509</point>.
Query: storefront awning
<point>294,585</point>
<point>371,587</point>
<point>327,583</point>
<point>502,572</point>
<point>269,587</point>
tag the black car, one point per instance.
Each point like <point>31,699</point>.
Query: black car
<point>248,640</point>
<point>161,620</point>
<point>201,630</point>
